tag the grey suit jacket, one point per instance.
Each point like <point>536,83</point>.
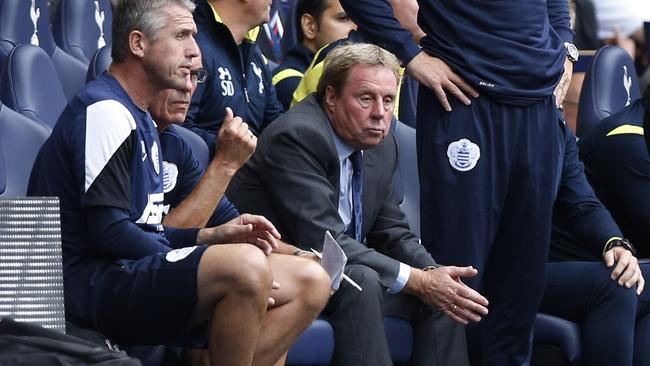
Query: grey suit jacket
<point>293,180</point>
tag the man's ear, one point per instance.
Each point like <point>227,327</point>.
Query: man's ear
<point>330,97</point>
<point>309,27</point>
<point>137,43</point>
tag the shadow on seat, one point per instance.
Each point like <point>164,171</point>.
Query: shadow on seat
<point>99,62</point>
<point>20,141</point>
<point>30,85</point>
<point>81,27</point>
<point>611,83</point>
<point>28,22</point>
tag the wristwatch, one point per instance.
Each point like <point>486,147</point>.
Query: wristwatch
<point>620,242</point>
<point>571,52</point>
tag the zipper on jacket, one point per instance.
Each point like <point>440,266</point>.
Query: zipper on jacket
<point>245,89</point>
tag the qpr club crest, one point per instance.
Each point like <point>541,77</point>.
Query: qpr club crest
<point>463,155</point>
<point>170,176</point>
<point>155,157</point>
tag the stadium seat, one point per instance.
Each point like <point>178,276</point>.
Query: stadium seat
<point>81,27</point>
<point>28,22</point>
<point>556,335</point>
<point>399,334</point>
<point>551,333</point>
<point>20,141</point>
<point>611,83</point>
<point>30,85</point>
<point>314,346</point>
<point>406,182</point>
<point>99,62</point>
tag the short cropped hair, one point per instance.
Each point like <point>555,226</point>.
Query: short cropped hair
<point>146,16</point>
<point>315,8</point>
<point>341,59</point>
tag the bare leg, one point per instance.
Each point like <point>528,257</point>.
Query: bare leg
<point>304,291</point>
<point>234,283</point>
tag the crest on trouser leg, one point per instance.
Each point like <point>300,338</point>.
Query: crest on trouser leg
<point>463,154</point>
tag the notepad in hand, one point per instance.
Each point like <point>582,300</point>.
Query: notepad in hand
<point>333,260</point>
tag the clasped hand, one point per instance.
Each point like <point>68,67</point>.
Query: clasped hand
<point>246,228</point>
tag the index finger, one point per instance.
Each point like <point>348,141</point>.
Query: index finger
<point>262,223</point>
<point>620,267</point>
<point>465,87</point>
<point>470,294</point>
<point>266,236</point>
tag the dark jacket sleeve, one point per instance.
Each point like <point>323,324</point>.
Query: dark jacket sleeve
<point>377,22</point>
<point>181,238</point>
<point>577,206</point>
<point>392,236</point>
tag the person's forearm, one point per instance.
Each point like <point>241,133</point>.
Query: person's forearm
<point>197,208</point>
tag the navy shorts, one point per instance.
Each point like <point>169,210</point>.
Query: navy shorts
<point>145,301</point>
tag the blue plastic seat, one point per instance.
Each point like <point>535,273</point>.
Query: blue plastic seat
<point>406,181</point>
<point>81,27</point>
<point>28,22</point>
<point>20,141</point>
<point>611,83</point>
<point>314,346</point>
<point>99,62</point>
<point>30,85</point>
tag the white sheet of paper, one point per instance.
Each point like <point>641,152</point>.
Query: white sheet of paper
<point>333,260</point>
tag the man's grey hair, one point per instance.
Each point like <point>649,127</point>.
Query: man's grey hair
<point>342,58</point>
<point>147,16</point>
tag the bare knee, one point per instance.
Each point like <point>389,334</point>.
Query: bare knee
<point>314,283</point>
<point>251,272</point>
<point>239,268</point>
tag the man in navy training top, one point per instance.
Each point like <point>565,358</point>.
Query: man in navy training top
<point>617,165</point>
<point>594,279</point>
<point>489,166</point>
<point>238,74</point>
<point>126,275</point>
<point>318,23</point>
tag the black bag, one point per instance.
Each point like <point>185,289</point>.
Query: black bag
<point>30,344</point>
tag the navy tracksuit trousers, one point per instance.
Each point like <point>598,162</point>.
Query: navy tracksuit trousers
<point>489,174</point>
<point>615,322</point>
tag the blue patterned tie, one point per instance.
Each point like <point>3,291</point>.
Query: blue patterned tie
<point>357,182</point>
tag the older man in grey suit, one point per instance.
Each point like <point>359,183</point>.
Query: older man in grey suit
<point>327,164</point>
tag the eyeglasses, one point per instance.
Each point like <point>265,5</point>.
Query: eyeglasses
<point>198,76</point>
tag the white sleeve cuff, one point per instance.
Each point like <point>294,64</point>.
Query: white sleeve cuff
<point>402,278</point>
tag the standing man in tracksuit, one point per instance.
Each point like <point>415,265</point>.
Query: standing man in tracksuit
<point>238,74</point>
<point>489,166</point>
